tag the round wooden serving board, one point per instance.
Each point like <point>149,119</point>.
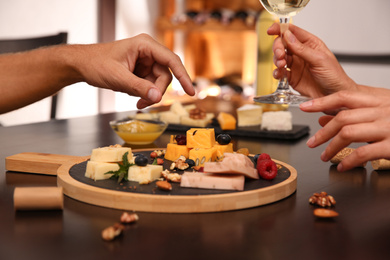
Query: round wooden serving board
<point>147,198</point>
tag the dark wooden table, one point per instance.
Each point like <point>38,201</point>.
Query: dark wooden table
<point>283,230</point>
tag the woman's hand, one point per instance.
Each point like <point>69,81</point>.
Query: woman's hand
<point>313,69</point>
<point>365,118</point>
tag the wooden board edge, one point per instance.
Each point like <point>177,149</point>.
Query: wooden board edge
<point>177,203</point>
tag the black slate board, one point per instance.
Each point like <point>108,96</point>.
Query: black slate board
<point>297,132</point>
<point>77,172</point>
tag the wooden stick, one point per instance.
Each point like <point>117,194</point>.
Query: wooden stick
<point>38,198</point>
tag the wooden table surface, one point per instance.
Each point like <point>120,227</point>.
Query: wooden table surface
<point>283,230</point>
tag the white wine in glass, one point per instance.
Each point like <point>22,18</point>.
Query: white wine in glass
<point>284,9</point>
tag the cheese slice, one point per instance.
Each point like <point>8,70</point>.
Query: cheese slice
<point>111,154</point>
<point>144,174</point>
<point>97,170</point>
<point>178,109</point>
<point>249,115</point>
<point>277,121</point>
<point>186,120</point>
<point>212,181</point>
<point>170,117</point>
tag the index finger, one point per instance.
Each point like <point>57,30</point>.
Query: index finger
<point>341,99</point>
<point>166,57</point>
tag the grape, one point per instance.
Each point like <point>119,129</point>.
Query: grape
<point>181,139</point>
<point>224,139</point>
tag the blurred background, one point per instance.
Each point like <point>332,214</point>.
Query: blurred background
<point>219,41</point>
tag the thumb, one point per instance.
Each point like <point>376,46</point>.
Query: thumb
<point>144,89</point>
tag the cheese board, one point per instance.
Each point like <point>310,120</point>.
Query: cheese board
<point>297,131</point>
<point>70,171</point>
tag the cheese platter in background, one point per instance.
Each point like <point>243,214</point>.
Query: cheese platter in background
<point>249,121</point>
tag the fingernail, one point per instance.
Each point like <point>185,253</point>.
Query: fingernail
<point>306,104</point>
<point>153,95</point>
<point>311,141</point>
<point>324,157</point>
<point>340,167</point>
<point>290,37</point>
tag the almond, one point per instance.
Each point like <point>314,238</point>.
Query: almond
<point>325,213</point>
<point>164,185</point>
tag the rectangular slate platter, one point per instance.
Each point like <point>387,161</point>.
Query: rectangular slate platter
<point>297,132</point>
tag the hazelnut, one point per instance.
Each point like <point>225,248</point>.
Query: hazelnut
<point>129,218</point>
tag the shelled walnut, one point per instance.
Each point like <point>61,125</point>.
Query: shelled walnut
<point>322,199</point>
<point>197,113</point>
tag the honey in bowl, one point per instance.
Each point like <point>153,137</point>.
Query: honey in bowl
<point>138,132</point>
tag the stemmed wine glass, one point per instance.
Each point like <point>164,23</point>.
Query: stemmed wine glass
<point>284,9</point>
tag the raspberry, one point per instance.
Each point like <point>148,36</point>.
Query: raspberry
<point>267,169</point>
<point>263,156</point>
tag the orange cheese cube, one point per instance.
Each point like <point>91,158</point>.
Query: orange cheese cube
<point>200,138</point>
<point>221,149</point>
<point>174,151</point>
<point>226,121</point>
<point>202,155</point>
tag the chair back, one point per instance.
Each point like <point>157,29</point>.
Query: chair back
<point>18,45</point>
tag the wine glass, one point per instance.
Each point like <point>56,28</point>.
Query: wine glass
<point>283,9</point>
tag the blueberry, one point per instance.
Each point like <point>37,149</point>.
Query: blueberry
<point>141,160</point>
<point>255,159</point>
<point>190,163</point>
<point>224,139</point>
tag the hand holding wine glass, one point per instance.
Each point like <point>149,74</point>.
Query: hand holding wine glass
<point>284,9</point>
<point>314,70</point>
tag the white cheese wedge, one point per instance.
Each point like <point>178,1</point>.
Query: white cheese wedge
<point>212,181</point>
<point>147,116</point>
<point>111,154</point>
<point>186,120</point>
<point>249,115</point>
<point>144,174</point>
<point>189,107</point>
<point>178,109</point>
<point>170,117</point>
<point>277,121</point>
<point>97,170</point>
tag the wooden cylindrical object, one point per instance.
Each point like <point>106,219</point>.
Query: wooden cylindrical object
<point>38,198</point>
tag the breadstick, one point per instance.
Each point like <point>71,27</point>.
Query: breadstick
<point>342,154</point>
<point>381,164</point>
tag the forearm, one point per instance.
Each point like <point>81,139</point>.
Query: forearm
<point>31,76</point>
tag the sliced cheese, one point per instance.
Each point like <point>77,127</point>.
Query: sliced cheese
<point>178,109</point>
<point>186,120</point>
<point>212,181</point>
<point>170,117</point>
<point>97,170</point>
<point>111,154</point>
<point>147,116</point>
<point>144,174</point>
<point>249,115</point>
<point>277,121</point>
